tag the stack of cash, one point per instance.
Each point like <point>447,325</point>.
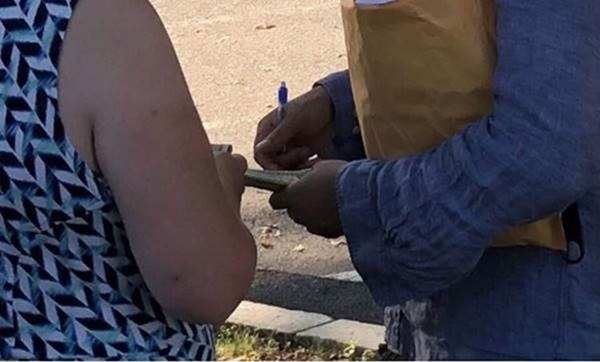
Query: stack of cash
<point>219,149</point>
<point>272,180</point>
<point>265,180</point>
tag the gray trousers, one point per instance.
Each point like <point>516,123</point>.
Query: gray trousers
<point>406,332</point>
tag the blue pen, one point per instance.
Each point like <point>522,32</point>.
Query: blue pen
<point>282,99</point>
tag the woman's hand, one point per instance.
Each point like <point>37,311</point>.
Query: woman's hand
<point>231,169</point>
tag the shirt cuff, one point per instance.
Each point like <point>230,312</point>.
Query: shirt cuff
<point>366,235</point>
<point>347,144</point>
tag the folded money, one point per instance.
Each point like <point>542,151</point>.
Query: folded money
<point>272,180</point>
<point>265,180</point>
<point>219,149</point>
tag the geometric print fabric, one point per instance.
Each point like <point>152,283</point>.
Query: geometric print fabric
<point>69,285</point>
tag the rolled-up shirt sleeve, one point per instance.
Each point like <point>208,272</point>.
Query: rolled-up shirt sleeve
<point>347,144</point>
<point>420,224</point>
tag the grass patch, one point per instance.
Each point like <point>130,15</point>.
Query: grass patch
<point>248,344</point>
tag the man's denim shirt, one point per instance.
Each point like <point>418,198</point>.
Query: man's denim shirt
<point>418,228</point>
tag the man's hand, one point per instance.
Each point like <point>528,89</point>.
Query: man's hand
<point>306,129</point>
<point>231,170</point>
<point>312,200</point>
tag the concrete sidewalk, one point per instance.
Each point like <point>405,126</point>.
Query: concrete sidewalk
<point>350,319</point>
<point>305,324</point>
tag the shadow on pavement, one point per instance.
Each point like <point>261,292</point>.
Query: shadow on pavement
<point>337,299</point>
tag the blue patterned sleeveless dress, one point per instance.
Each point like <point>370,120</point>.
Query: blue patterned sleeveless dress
<point>70,287</point>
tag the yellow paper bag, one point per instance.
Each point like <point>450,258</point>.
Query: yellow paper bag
<point>421,71</point>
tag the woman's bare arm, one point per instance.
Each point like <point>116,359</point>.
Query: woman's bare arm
<point>120,77</point>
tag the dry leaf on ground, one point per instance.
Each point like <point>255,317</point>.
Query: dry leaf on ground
<point>299,248</point>
<point>264,27</point>
<point>266,245</point>
<point>270,230</point>
<point>337,243</point>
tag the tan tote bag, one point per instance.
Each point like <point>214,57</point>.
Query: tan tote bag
<point>421,71</point>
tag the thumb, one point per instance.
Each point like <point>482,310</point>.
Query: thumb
<point>279,200</point>
<point>241,162</point>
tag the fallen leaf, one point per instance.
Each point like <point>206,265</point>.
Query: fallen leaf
<point>269,231</point>
<point>337,243</point>
<point>299,249</point>
<point>266,245</point>
<point>264,27</point>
